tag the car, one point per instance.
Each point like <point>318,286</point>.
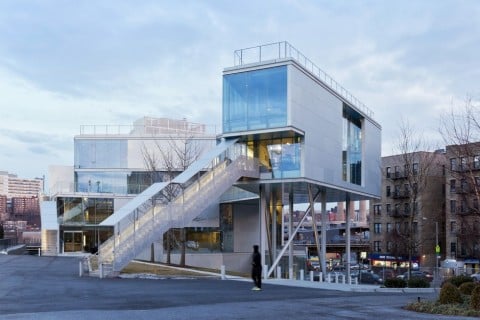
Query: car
<point>368,277</point>
<point>416,274</point>
<point>476,277</point>
<point>386,274</point>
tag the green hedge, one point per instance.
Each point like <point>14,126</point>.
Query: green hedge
<point>395,283</point>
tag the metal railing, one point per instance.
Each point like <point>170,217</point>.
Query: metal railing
<point>148,221</point>
<point>284,50</point>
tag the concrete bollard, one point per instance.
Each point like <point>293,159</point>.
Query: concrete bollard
<point>336,277</point>
<point>100,269</point>
<point>39,252</point>
<point>265,271</point>
<point>329,280</point>
<point>290,273</point>
<point>279,272</point>
<point>80,269</point>
<point>222,272</point>
<point>320,277</point>
<point>311,275</point>
<point>302,274</point>
<point>343,278</point>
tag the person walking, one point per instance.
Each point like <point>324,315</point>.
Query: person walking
<point>256,269</point>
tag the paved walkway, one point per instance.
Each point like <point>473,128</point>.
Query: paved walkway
<point>50,288</point>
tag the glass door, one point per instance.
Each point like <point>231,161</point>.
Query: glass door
<point>72,241</point>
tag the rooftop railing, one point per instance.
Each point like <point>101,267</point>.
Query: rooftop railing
<point>284,50</point>
<point>146,130</point>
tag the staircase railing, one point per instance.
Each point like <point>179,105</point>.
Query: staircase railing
<point>152,217</point>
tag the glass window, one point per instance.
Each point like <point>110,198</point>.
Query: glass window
<point>453,185</point>
<point>453,206</point>
<point>389,227</point>
<point>453,164</point>
<point>463,163</point>
<point>387,191</point>
<point>388,208</point>
<point>476,162</point>
<point>100,154</point>
<point>352,146</point>
<point>388,172</point>
<point>376,246</point>
<point>377,228</point>
<point>255,99</point>
<point>415,169</point>
<point>377,209</point>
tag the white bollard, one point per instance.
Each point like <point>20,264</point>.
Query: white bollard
<point>100,269</point>
<point>329,280</point>
<point>290,273</point>
<point>80,270</point>
<point>39,252</point>
<point>279,272</point>
<point>222,272</point>
<point>343,278</point>
<point>302,274</point>
<point>265,271</point>
<point>311,275</point>
<point>336,277</point>
<point>320,277</point>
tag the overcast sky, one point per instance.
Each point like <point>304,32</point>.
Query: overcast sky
<point>69,63</point>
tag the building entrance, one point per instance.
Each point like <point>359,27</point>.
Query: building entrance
<point>72,241</point>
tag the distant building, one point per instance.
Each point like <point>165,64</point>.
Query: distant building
<point>19,199</point>
<point>410,216</point>
<point>12,186</point>
<point>462,207</point>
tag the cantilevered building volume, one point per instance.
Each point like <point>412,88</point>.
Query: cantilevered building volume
<point>291,134</point>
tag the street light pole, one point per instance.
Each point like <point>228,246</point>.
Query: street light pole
<point>436,253</point>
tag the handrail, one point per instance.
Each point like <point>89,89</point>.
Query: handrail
<point>284,50</point>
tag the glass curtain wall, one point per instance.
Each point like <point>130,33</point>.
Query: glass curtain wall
<point>255,100</point>
<point>279,158</point>
<point>352,146</point>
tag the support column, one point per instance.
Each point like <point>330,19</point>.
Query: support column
<point>323,256</point>
<point>274,212</point>
<point>347,232</point>
<point>263,224</point>
<point>290,229</point>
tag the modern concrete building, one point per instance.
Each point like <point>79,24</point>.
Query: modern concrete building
<point>112,165</point>
<point>291,135</point>
<point>408,222</point>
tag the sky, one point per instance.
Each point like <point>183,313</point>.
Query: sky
<point>64,64</point>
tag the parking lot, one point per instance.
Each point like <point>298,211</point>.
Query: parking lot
<point>50,288</point>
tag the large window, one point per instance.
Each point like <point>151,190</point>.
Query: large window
<point>352,146</point>
<point>100,154</point>
<point>255,99</point>
<point>279,158</point>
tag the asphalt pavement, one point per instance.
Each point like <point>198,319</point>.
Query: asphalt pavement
<point>39,288</point>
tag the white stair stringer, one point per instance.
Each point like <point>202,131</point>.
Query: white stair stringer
<point>151,219</point>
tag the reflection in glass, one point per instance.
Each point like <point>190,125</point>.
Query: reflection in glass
<point>255,99</point>
<point>352,146</point>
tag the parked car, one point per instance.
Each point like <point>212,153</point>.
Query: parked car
<point>476,277</point>
<point>367,277</point>
<point>416,274</point>
<point>386,274</point>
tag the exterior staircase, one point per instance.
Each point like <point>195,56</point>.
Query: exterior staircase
<point>148,216</point>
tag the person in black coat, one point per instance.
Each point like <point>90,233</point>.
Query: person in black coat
<point>256,269</point>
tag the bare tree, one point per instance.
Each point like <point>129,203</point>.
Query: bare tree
<point>172,158</point>
<point>411,185</point>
